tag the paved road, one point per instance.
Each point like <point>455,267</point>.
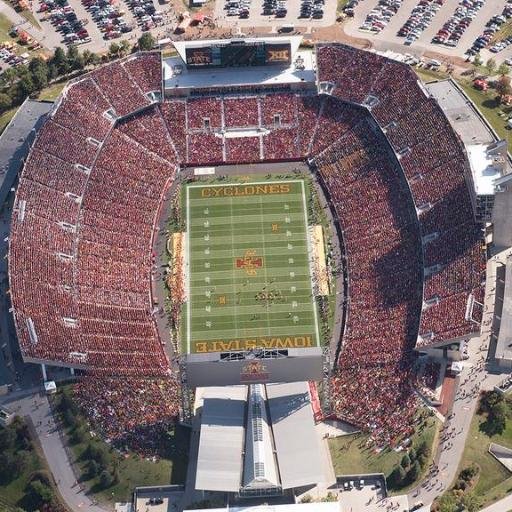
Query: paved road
<point>455,429</point>
<point>36,407</point>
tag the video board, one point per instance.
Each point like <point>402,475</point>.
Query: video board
<point>198,57</point>
<point>239,54</point>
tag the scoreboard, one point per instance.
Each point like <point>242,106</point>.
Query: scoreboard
<point>239,54</point>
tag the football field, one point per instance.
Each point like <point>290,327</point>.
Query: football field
<point>248,272</point>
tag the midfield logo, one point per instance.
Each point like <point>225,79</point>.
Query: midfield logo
<point>250,262</point>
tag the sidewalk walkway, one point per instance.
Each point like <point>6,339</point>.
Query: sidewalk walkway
<point>36,406</point>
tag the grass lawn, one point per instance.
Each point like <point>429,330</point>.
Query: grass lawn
<point>6,117</point>
<point>52,92</point>
<point>504,32</point>
<point>350,456</point>
<point>494,481</point>
<point>133,470</point>
<point>30,18</point>
<point>12,493</point>
<point>486,103</point>
<point>428,75</point>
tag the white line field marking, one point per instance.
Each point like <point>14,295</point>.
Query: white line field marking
<point>265,255</point>
<point>309,261</point>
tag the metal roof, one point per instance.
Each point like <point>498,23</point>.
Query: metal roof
<point>297,442</point>
<point>16,139</point>
<point>504,346</point>
<point>219,461</point>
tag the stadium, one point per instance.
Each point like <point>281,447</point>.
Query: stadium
<point>148,153</point>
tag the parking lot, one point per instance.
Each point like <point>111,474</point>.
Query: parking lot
<point>95,24</point>
<point>275,13</point>
<point>448,27</point>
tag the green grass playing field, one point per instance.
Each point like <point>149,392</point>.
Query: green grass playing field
<point>249,281</point>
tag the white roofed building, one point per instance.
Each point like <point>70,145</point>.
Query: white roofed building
<point>214,64</point>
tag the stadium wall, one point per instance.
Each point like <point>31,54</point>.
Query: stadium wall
<point>213,370</point>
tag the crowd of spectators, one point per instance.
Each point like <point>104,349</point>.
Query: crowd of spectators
<point>174,114</point>
<point>83,110</point>
<point>87,205</point>
<point>243,149</point>
<point>436,176</point>
<point>241,112</point>
<point>144,127</point>
<point>430,375</point>
<point>371,387</point>
<point>204,113</point>
<point>83,226</point>
<point>146,71</point>
<point>287,123</point>
<point>136,414</point>
<point>120,90</point>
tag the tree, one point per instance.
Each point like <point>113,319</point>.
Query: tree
<point>124,47</point>
<point>69,418</point>
<point>397,476</point>
<point>406,461</point>
<point>106,479</point>
<point>414,472</point>
<point>146,42</point>
<point>497,419</point>
<point>503,69</point>
<point>39,492</point>
<point>5,101</point>
<point>9,77</point>
<point>97,453</point>
<point>92,469</point>
<point>503,86</point>
<point>7,466</point>
<point>490,65</point>
<point>422,450</point>
<point>75,58</point>
<point>471,502</point>
<point>7,439</point>
<point>66,402</point>
<point>113,50</point>
<point>448,503</point>
<point>60,61</point>
<point>489,400</point>
<point>412,454</point>
<point>78,435</point>
<point>90,58</point>
<point>40,73</point>
<point>477,61</point>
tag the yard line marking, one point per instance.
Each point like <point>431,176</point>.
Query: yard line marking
<point>233,285</point>
<point>264,265</point>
